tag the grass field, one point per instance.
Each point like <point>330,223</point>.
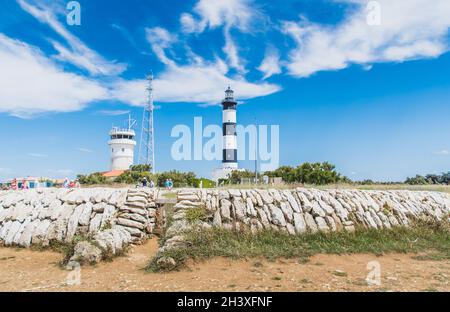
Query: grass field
<point>434,188</point>
<point>429,240</point>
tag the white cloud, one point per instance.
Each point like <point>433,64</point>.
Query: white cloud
<point>443,153</point>
<point>31,83</point>
<point>195,83</point>
<point>160,39</point>
<point>216,13</point>
<point>79,54</point>
<point>232,53</point>
<point>37,155</point>
<point>409,30</point>
<point>84,150</point>
<point>240,14</point>
<point>189,24</point>
<point>113,112</point>
<point>271,64</point>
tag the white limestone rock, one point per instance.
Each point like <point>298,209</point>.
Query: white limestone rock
<point>235,193</point>
<point>96,221</point>
<point>138,205</point>
<point>12,231</point>
<point>287,211</point>
<point>251,211</point>
<point>369,220</point>
<point>225,206</point>
<point>86,211</point>
<point>299,223</point>
<point>72,223</point>
<point>292,201</point>
<point>99,207</point>
<point>22,227</point>
<point>311,224</point>
<point>11,199</point>
<point>40,233</point>
<point>21,211</point>
<point>306,203</point>
<point>137,217</point>
<point>108,215</point>
<point>130,223</point>
<point>317,210</point>
<point>192,197</point>
<point>266,198</point>
<point>132,231</point>
<point>322,224</point>
<point>217,221</point>
<point>290,228</point>
<point>118,198</point>
<point>86,252</point>
<point>4,228</point>
<point>263,218</point>
<point>326,208</point>
<point>239,208</point>
<point>27,234</point>
<point>137,199</point>
<point>277,215</point>
<point>224,195</point>
<point>275,194</point>
<point>55,209</point>
<point>331,223</point>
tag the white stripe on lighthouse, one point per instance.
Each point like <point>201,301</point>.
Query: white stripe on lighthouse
<point>229,116</point>
<point>230,142</point>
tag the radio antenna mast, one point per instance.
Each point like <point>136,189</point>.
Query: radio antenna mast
<point>147,144</point>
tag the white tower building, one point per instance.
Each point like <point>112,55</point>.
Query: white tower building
<point>229,121</point>
<point>122,145</point>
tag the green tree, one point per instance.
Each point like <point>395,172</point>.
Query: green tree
<point>309,173</point>
<point>141,168</point>
<point>92,179</point>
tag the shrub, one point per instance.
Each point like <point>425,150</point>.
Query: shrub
<point>307,173</point>
<point>206,183</point>
<point>91,179</point>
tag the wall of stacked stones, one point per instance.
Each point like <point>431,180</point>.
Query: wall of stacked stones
<point>310,210</point>
<point>113,218</point>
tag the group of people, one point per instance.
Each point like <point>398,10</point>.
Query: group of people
<point>17,185</point>
<point>145,183</point>
<point>71,184</point>
<point>24,185</point>
<point>168,184</point>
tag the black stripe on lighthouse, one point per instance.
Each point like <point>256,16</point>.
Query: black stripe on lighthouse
<point>230,153</point>
<point>229,128</point>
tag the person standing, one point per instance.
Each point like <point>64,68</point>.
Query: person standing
<point>144,182</point>
<point>66,183</point>
<point>166,184</point>
<point>14,185</point>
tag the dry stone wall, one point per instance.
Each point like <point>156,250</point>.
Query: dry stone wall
<point>111,218</point>
<point>302,210</point>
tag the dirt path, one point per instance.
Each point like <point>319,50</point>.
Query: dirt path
<point>25,270</point>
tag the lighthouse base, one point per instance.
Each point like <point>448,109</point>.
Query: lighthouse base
<point>223,173</point>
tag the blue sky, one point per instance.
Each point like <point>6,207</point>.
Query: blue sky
<point>372,99</point>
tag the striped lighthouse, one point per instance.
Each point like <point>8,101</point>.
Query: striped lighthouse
<point>229,131</point>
